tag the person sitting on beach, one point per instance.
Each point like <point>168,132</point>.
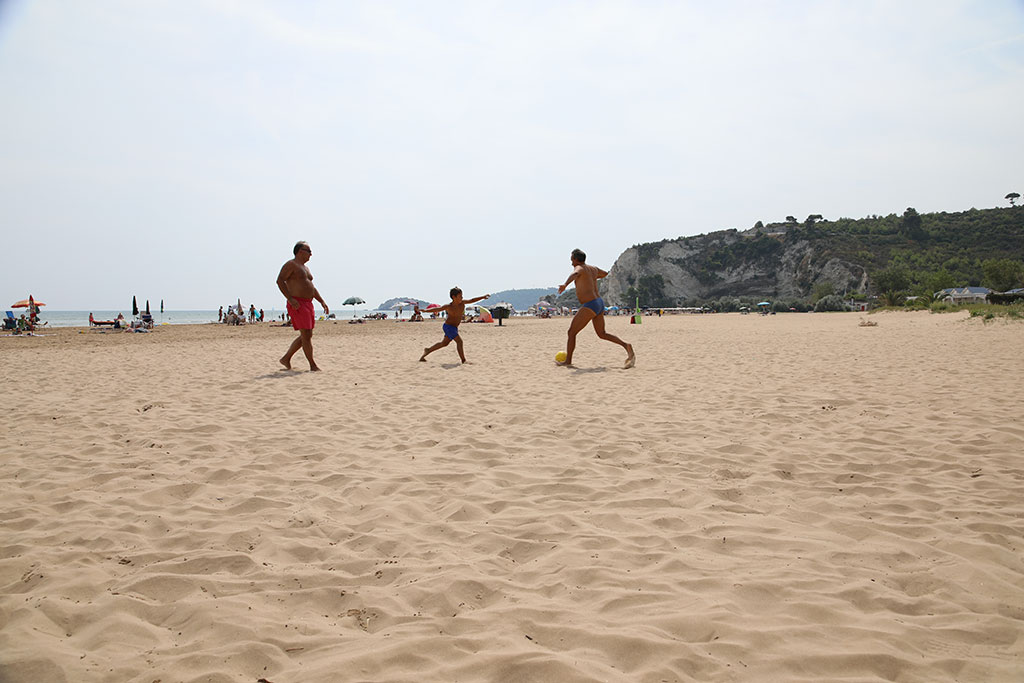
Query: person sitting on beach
<point>591,307</point>
<point>417,317</point>
<point>455,310</point>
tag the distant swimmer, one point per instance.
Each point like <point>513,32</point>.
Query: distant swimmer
<point>456,309</point>
<point>296,283</point>
<point>591,307</point>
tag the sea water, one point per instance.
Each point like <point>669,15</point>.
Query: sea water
<point>81,318</point>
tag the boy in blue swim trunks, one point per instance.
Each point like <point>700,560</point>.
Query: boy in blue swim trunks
<point>591,307</point>
<point>455,310</point>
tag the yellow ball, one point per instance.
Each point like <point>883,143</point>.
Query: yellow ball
<point>560,357</point>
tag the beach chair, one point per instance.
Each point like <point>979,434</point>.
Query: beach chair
<point>147,321</point>
<point>100,323</point>
<point>10,322</point>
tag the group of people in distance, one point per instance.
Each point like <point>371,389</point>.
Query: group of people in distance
<point>296,283</point>
<point>236,315</point>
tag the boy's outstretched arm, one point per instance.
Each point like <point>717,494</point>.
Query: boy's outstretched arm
<point>479,298</point>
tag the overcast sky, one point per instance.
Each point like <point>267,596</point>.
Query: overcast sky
<point>177,149</point>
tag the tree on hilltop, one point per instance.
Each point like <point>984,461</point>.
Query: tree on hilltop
<point>1013,197</point>
<point>910,224</point>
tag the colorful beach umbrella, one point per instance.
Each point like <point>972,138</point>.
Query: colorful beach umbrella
<point>25,303</point>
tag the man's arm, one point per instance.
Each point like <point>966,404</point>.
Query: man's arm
<point>282,283</point>
<point>600,273</point>
<point>316,295</point>
<point>575,274</point>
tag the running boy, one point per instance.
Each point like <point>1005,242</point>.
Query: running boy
<point>455,311</point>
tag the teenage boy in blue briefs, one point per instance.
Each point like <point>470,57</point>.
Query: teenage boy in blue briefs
<point>455,311</point>
<point>591,307</point>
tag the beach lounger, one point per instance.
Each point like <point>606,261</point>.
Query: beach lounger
<point>100,323</point>
<point>10,322</point>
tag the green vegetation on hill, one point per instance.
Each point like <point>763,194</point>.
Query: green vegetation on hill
<point>902,255</point>
<point>932,251</point>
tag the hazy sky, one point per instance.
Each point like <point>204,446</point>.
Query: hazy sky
<point>177,149</point>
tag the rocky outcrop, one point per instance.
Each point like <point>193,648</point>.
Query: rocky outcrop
<point>727,263</point>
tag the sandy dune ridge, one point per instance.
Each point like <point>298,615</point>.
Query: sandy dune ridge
<point>779,498</point>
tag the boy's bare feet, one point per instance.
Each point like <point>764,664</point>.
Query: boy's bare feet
<point>564,364</point>
<point>286,363</point>
<point>630,358</point>
<point>314,368</point>
<point>423,358</point>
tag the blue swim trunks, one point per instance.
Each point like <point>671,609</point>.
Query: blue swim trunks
<point>596,305</point>
<point>450,331</point>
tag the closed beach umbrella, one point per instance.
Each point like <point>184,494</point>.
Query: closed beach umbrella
<point>161,306</point>
<point>352,301</point>
<point>135,307</point>
<point>147,306</point>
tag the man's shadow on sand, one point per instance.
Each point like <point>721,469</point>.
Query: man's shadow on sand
<point>282,374</point>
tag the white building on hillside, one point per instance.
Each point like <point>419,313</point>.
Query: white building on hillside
<point>964,295</point>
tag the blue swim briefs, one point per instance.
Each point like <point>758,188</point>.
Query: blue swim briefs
<point>450,331</point>
<point>596,305</point>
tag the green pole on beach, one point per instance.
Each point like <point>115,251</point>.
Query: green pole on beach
<point>636,317</point>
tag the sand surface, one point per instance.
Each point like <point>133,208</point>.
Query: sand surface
<point>778,498</point>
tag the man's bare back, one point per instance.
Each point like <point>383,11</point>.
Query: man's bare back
<point>586,282</point>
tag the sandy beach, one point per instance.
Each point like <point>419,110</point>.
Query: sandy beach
<point>763,498</point>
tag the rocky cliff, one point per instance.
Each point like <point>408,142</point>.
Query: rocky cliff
<point>753,263</point>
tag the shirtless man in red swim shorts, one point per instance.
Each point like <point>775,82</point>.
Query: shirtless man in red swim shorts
<point>296,283</point>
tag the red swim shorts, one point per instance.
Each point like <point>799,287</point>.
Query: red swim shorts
<point>302,318</point>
